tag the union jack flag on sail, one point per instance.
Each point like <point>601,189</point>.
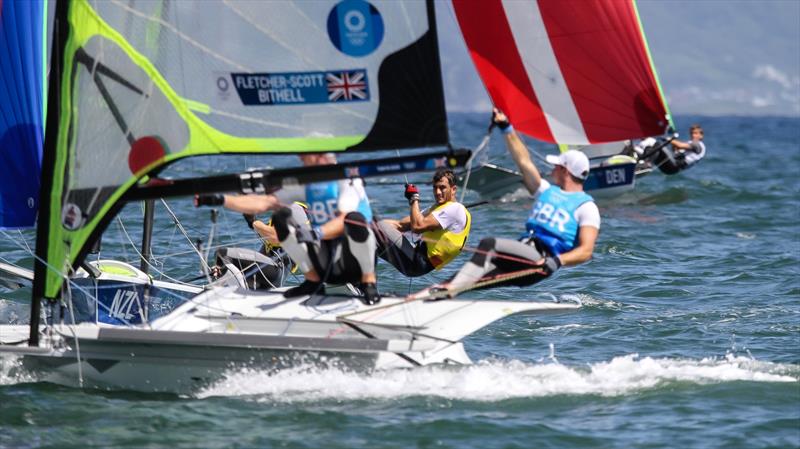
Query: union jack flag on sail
<point>347,86</point>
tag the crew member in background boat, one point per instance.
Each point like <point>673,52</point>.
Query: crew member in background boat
<point>440,231</point>
<point>682,155</point>
<point>335,244</point>
<point>561,229</point>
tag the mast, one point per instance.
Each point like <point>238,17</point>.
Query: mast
<point>147,235</point>
<point>60,34</point>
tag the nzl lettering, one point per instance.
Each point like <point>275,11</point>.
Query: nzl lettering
<point>547,214</point>
<point>122,304</point>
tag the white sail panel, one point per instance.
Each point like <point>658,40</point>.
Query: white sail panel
<point>567,71</point>
<point>285,47</point>
<point>543,70</point>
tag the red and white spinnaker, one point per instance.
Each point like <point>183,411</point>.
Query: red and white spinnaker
<point>570,71</point>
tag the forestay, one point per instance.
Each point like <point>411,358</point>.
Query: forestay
<point>569,71</point>
<point>143,83</point>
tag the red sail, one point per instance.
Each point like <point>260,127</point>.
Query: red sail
<point>567,71</point>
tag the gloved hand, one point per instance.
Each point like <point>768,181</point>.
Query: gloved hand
<point>551,264</point>
<point>500,120</point>
<point>308,235</point>
<point>412,193</point>
<point>215,199</point>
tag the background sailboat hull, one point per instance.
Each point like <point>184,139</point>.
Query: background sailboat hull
<point>492,181</point>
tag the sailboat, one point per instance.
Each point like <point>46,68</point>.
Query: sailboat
<point>23,108</point>
<point>137,86</point>
<point>574,73</point>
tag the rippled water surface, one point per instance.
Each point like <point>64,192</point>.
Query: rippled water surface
<point>689,335</point>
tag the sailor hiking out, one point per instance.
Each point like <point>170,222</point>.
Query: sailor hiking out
<point>433,238</point>
<point>682,155</point>
<point>331,243</point>
<point>561,229</point>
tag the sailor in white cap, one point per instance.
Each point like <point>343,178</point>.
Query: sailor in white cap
<point>561,229</point>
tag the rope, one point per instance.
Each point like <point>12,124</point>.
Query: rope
<point>491,280</point>
<point>465,248</point>
<point>171,279</point>
<point>189,239</point>
<point>481,146</point>
<point>496,279</point>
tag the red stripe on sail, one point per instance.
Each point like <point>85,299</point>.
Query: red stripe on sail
<point>604,62</point>
<point>494,52</point>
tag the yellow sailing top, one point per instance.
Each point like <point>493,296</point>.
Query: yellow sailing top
<point>444,245</point>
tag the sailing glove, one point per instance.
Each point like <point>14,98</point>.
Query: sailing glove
<point>551,264</point>
<point>502,124</point>
<point>216,199</point>
<point>412,193</point>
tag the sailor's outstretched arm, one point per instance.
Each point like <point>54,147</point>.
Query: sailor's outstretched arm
<point>530,174</point>
<point>251,204</point>
<point>587,236</point>
<point>679,145</point>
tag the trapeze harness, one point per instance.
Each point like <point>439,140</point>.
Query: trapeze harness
<point>670,163</point>
<point>340,256</point>
<point>442,245</point>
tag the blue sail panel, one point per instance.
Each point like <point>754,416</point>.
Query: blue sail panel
<point>21,110</point>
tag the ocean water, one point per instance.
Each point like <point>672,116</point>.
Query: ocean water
<point>689,335</point>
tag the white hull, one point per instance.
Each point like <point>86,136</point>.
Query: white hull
<point>228,329</point>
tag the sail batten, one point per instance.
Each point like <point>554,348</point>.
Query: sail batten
<point>581,66</point>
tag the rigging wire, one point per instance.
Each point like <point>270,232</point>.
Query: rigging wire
<point>24,240</point>
<point>75,335</point>
<point>133,245</point>
<point>481,146</point>
<point>70,283</point>
<point>189,239</point>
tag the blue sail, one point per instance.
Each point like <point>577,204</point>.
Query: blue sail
<point>22,103</point>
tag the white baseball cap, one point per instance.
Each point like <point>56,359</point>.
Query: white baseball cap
<point>574,161</point>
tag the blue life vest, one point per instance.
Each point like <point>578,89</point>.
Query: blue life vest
<point>323,202</point>
<point>552,219</point>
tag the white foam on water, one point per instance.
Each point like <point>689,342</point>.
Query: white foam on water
<point>12,372</point>
<point>520,194</point>
<point>12,312</point>
<point>494,380</point>
<point>596,303</point>
<point>565,327</point>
